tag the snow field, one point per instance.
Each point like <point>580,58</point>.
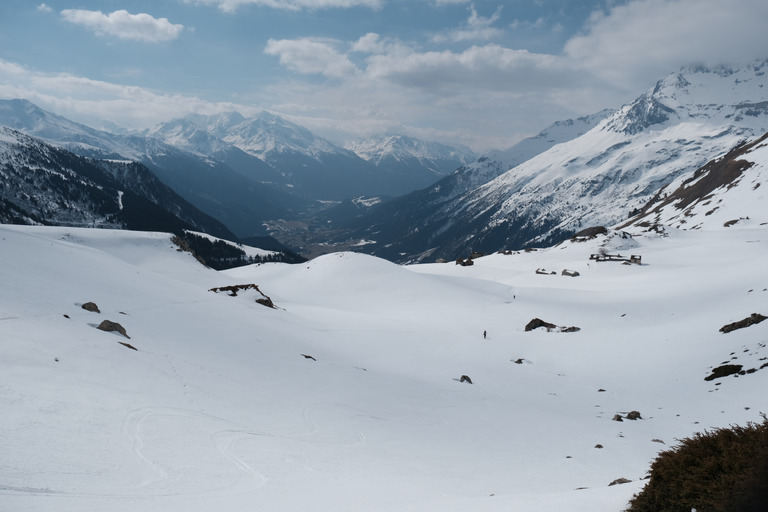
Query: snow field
<point>219,408</point>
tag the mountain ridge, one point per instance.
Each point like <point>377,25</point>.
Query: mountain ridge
<point>50,185</point>
<point>598,178</point>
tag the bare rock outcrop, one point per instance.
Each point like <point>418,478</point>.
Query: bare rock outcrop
<point>91,306</point>
<point>232,291</point>
<point>538,322</point>
<point>754,318</point>
<point>110,326</point>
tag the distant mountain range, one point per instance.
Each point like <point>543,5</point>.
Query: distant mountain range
<point>602,176</point>
<point>293,156</point>
<point>212,186</point>
<point>246,171</point>
<point>264,175</point>
<point>49,185</point>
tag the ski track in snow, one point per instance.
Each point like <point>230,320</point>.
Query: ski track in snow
<point>160,474</point>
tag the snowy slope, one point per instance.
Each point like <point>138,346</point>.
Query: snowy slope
<point>726,191</point>
<point>403,228</point>
<point>687,119</point>
<point>495,163</point>
<point>599,178</point>
<point>220,409</point>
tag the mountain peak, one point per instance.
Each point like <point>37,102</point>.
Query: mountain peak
<point>380,147</point>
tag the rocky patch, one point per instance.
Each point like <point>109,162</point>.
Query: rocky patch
<point>550,327</point>
<point>233,290</point>
<point>110,326</point>
<point>754,318</point>
<point>91,306</point>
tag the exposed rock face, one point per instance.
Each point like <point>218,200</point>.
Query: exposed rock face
<point>232,290</point>
<point>108,325</point>
<point>754,318</point>
<point>538,322</point>
<point>90,306</point>
<point>589,233</point>
<point>724,371</point>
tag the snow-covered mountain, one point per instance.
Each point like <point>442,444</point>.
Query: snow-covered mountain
<point>217,186</point>
<point>40,183</point>
<point>299,158</point>
<point>722,193</point>
<point>26,117</point>
<point>347,394</point>
<point>424,161</point>
<point>603,176</point>
<point>309,164</point>
<point>402,219</point>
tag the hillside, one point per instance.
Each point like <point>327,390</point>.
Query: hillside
<point>40,183</point>
<point>400,222</point>
<point>601,177</point>
<point>723,192</point>
<point>347,395</point>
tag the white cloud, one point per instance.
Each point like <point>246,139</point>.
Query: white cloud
<point>369,43</point>
<point>517,24</point>
<point>292,5</point>
<point>494,93</point>
<point>489,67</point>
<point>477,28</point>
<point>488,94</point>
<point>122,24</point>
<point>44,8</point>
<point>646,38</point>
<point>311,56</point>
<point>93,101</point>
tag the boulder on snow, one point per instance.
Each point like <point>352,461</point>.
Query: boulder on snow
<point>724,371</point>
<point>538,322</point>
<point>91,306</point>
<point>465,378</point>
<point>754,318</point>
<point>619,481</point>
<point>108,325</point>
<point>634,415</point>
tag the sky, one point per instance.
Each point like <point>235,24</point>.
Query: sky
<point>481,73</point>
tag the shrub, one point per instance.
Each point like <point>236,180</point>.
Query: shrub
<point>725,470</point>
